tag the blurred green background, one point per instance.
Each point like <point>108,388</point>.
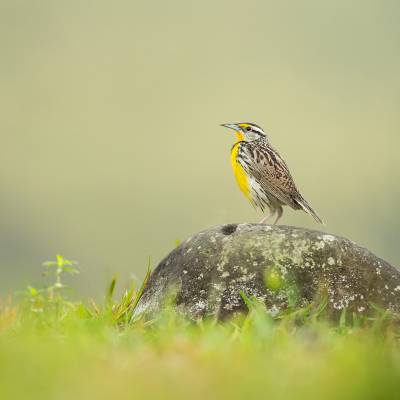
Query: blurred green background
<point>110,111</point>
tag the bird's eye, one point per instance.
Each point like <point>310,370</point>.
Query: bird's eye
<point>248,128</point>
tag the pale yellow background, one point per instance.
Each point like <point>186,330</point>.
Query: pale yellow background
<point>111,148</point>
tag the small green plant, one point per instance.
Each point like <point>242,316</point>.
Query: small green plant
<point>58,269</point>
<point>52,296</point>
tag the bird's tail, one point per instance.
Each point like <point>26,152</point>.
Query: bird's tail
<point>308,209</point>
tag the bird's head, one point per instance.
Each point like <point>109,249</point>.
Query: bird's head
<point>247,131</point>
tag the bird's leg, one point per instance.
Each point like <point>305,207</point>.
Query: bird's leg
<point>267,217</point>
<point>280,212</point>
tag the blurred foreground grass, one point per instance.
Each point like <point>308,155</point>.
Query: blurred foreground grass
<point>51,348</point>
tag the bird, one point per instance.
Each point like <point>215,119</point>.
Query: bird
<point>262,174</point>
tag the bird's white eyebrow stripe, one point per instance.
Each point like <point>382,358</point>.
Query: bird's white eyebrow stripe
<point>257,129</point>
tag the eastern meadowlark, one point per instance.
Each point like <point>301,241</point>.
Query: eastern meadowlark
<point>263,175</point>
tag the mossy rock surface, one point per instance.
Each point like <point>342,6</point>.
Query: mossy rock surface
<point>282,266</point>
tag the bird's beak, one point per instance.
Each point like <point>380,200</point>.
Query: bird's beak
<point>235,127</point>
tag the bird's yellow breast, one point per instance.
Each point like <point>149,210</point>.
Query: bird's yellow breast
<point>240,174</point>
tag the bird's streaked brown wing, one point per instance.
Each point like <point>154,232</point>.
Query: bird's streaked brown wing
<point>271,172</point>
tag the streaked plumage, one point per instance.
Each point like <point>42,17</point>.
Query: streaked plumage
<point>262,174</point>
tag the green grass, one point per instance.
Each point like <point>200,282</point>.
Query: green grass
<point>51,348</point>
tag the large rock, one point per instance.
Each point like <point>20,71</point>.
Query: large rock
<point>281,265</point>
